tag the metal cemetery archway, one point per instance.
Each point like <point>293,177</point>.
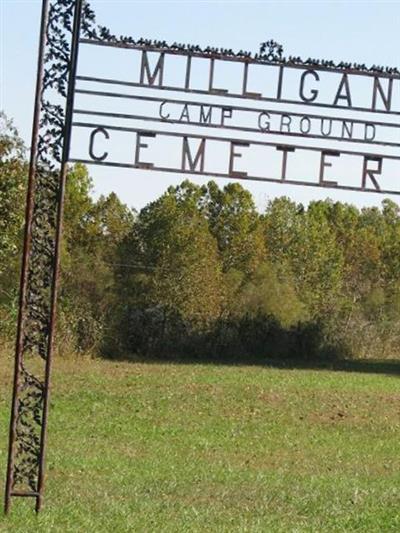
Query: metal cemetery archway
<point>281,120</point>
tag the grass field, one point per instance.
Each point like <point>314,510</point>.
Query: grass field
<point>186,447</point>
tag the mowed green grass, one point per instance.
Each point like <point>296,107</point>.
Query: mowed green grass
<point>186,447</point>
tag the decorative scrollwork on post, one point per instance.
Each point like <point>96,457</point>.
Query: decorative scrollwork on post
<point>60,26</point>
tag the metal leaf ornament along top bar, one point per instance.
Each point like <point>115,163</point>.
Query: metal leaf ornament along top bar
<point>269,52</point>
<point>28,419</point>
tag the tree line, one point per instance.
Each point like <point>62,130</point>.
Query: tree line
<point>201,273</point>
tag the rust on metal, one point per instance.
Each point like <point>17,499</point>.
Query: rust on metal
<point>286,133</point>
<point>58,48</point>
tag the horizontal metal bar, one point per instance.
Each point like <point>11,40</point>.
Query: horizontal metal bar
<point>232,127</point>
<point>240,59</point>
<point>25,494</point>
<point>228,176</point>
<point>233,107</point>
<point>231,95</point>
<point>236,140</point>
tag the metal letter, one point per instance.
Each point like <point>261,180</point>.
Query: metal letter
<point>285,150</point>
<point>233,154</point>
<point>244,89</point>
<point>158,71</point>
<point>314,92</point>
<point>386,99</point>
<point>205,117</point>
<point>326,134</point>
<point>139,145</point>
<point>188,71</point>
<point>347,129</point>
<point>187,156</point>
<point>91,143</point>
<point>226,113</point>
<point>280,82</point>
<point>210,86</point>
<point>185,114</point>
<point>165,117</point>
<point>264,126</point>
<point>286,124</point>
<point>307,121</point>
<point>370,173</point>
<point>370,137</point>
<point>343,86</point>
<point>325,164</point>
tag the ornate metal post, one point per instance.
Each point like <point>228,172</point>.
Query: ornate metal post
<point>58,52</point>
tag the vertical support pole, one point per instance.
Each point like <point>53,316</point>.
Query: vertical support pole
<point>60,213</point>
<point>26,251</point>
<point>57,65</point>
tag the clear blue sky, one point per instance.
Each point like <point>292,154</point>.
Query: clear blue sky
<point>360,31</point>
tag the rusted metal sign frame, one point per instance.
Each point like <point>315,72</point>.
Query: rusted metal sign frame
<point>271,54</point>
<point>62,23</point>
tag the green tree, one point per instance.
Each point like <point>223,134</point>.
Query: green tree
<point>13,175</point>
<point>93,232</point>
<point>235,224</point>
<point>179,248</point>
<point>302,244</point>
<point>267,293</point>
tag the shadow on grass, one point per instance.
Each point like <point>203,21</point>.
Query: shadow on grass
<point>390,367</point>
<point>259,340</point>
